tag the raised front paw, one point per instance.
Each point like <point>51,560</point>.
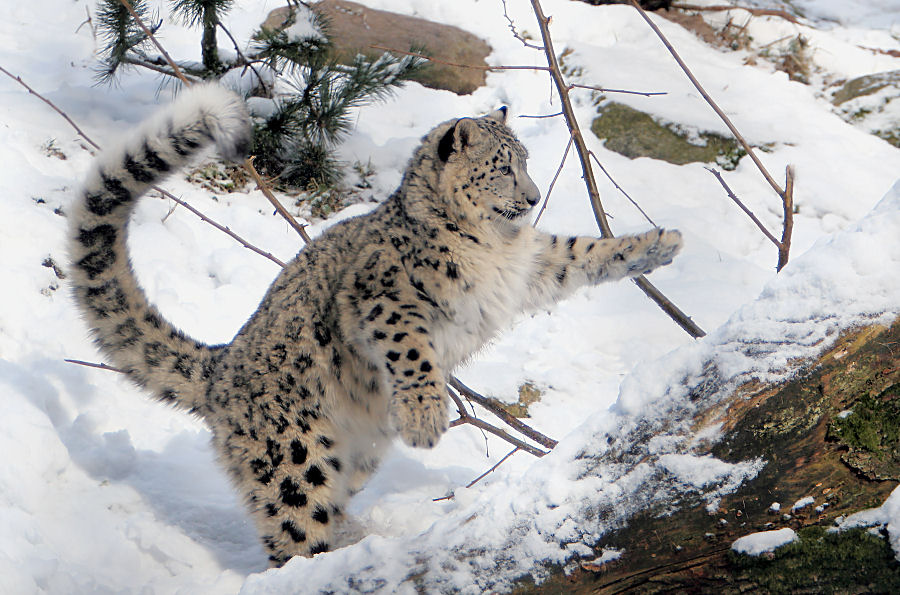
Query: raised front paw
<point>666,245</point>
<point>419,415</point>
<point>653,249</point>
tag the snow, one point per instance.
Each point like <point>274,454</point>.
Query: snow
<point>103,490</point>
<point>304,27</point>
<point>802,503</point>
<point>764,541</point>
<point>885,516</point>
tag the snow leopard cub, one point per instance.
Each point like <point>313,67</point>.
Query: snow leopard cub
<point>354,341</point>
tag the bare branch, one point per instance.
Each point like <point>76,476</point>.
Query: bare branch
<point>542,116</point>
<point>622,190</point>
<point>465,418</point>
<point>757,12</point>
<point>89,22</point>
<point>298,227</point>
<point>605,90</point>
<point>491,470</point>
<point>553,182</point>
<point>512,28</point>
<point>501,413</point>
<point>474,421</point>
<point>149,65</point>
<point>788,227</point>
<point>473,66</point>
<point>220,227</point>
<point>93,365</point>
<point>152,38</point>
<point>743,207</point>
<point>709,100</point>
<point>562,89</point>
<point>784,246</point>
<point>80,132</point>
<point>249,63</point>
<point>482,476</point>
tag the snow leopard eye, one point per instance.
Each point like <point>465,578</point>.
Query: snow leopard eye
<point>505,170</point>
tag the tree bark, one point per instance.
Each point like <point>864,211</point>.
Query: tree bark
<point>845,462</point>
<point>209,49</point>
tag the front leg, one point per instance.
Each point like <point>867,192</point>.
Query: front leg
<point>565,264</point>
<point>402,346</point>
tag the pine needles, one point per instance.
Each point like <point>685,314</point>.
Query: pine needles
<point>308,97</point>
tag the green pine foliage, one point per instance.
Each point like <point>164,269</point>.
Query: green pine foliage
<point>205,14</point>
<point>122,38</point>
<point>313,96</point>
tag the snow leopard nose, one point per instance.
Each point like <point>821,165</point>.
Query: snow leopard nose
<point>532,194</point>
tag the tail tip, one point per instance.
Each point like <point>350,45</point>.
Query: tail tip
<point>225,114</point>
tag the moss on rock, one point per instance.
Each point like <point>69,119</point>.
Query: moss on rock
<point>633,133</point>
<point>812,450</point>
<point>852,561</point>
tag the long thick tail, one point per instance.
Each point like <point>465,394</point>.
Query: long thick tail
<point>127,328</point>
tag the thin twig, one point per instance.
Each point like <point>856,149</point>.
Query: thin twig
<point>220,227</point>
<point>622,190</point>
<point>149,65</point>
<point>515,32</point>
<point>562,88</point>
<point>492,469</point>
<point>80,132</point>
<point>605,90</point>
<point>758,12</point>
<point>249,63</point>
<point>474,421</point>
<point>480,477</point>
<point>465,418</point>
<point>542,116</point>
<point>501,413</point>
<point>153,40</point>
<point>248,164</point>
<point>787,199</point>
<point>473,66</point>
<point>90,23</point>
<point>298,227</point>
<point>553,182</point>
<point>163,192</point>
<point>93,365</point>
<point>743,207</point>
<point>710,100</point>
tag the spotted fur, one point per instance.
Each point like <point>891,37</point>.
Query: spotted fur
<point>355,338</point>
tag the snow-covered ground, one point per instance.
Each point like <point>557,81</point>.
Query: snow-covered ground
<point>103,490</point>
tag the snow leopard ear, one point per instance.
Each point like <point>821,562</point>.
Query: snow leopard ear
<point>499,114</point>
<point>461,135</point>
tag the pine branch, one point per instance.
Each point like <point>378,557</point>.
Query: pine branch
<point>150,35</point>
<point>248,63</point>
<point>155,66</point>
<point>206,14</point>
<point>120,34</point>
<point>161,191</point>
